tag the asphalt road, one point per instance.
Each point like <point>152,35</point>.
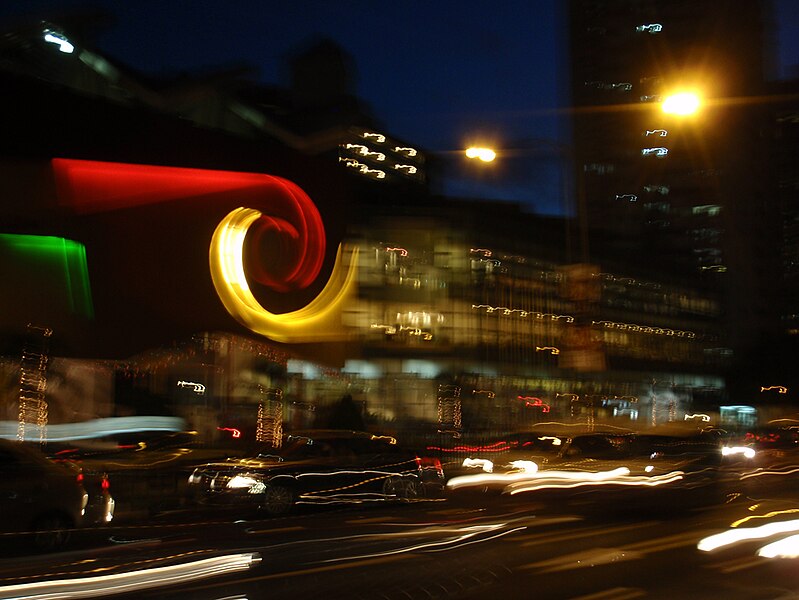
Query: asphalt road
<point>471,546</point>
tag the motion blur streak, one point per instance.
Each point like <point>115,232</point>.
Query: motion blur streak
<point>766,516</point>
<point>733,536</point>
<point>485,465</point>
<point>97,428</point>
<point>528,480</point>
<point>468,535</point>
<point>319,320</point>
<point>481,480</point>
<point>761,472</point>
<point>105,585</point>
<point>733,450</point>
<point>88,186</point>
<point>572,482</point>
<point>785,548</point>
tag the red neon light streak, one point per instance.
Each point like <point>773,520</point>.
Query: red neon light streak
<point>289,215</point>
<point>496,447</point>
<point>236,433</point>
<point>532,401</point>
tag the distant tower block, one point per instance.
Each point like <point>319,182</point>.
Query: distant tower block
<point>33,384</point>
<point>269,428</point>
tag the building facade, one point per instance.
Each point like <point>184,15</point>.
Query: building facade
<point>691,196</point>
<point>463,316</point>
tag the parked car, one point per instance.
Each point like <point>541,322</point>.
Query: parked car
<point>39,496</point>
<point>318,467</point>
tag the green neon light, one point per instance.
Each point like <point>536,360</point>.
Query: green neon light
<point>62,264</point>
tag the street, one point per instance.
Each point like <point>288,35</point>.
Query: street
<point>461,547</point>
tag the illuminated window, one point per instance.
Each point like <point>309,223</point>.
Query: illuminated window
<point>706,233</point>
<point>739,415</point>
<point>657,189</point>
<point>706,209</point>
<point>621,86</point>
<point>599,168</point>
<point>658,223</point>
<point>658,206</point>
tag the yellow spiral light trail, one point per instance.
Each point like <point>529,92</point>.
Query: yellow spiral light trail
<point>319,320</point>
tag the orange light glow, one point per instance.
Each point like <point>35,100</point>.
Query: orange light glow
<point>681,104</point>
<point>484,154</point>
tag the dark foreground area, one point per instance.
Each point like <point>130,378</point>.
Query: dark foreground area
<point>463,546</point>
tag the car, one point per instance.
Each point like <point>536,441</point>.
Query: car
<point>148,470</point>
<point>39,496</point>
<point>559,465</point>
<point>760,458</point>
<point>318,467</point>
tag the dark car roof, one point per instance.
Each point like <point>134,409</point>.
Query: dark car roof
<point>30,453</point>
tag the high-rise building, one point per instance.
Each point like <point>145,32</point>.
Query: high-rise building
<point>688,195</point>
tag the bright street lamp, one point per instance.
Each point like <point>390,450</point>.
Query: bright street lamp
<point>681,104</point>
<point>484,154</point>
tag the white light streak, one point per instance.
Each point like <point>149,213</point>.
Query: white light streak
<point>141,579</point>
<point>733,450</point>
<point>59,40</point>
<point>486,465</point>
<point>734,536</point>
<point>701,416</point>
<point>406,151</point>
<point>659,152</point>
<point>198,388</point>
<point>530,478</point>
<point>378,137</point>
<point>650,28</point>
<point>61,432</point>
<point>786,548</point>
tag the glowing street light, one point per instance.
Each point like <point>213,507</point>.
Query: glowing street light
<point>681,104</point>
<point>53,37</point>
<point>484,154</point>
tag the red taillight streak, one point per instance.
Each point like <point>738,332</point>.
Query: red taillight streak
<point>429,463</point>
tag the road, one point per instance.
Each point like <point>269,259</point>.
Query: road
<point>472,546</point>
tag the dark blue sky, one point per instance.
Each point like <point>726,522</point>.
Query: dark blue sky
<point>438,74</point>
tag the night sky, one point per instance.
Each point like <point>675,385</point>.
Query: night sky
<point>437,74</point>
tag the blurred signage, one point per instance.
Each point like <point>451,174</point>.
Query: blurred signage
<point>581,351</point>
<point>579,284</point>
